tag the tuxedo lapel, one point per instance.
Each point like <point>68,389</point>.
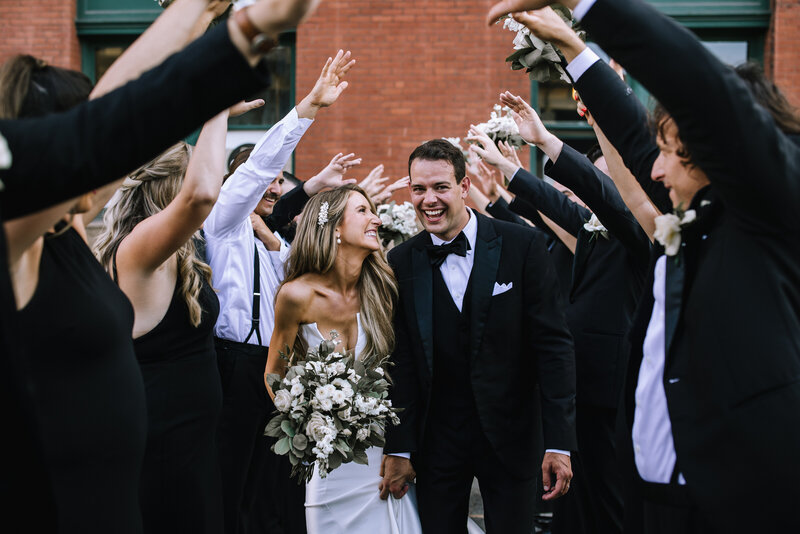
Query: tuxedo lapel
<point>423,297</point>
<point>488,246</point>
<point>673,296</point>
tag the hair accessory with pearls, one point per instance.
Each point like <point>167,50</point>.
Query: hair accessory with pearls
<point>322,218</point>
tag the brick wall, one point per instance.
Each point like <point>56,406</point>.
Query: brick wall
<point>783,48</point>
<point>426,69</point>
<point>43,28</point>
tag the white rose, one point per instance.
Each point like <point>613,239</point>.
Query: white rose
<point>338,397</point>
<point>520,41</point>
<point>668,233</point>
<point>594,225</point>
<point>386,219</point>
<point>283,401</point>
<point>298,389</point>
<point>316,426</point>
<point>362,434</point>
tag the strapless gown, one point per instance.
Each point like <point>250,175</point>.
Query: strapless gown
<point>348,499</point>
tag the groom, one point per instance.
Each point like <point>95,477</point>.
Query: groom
<point>478,327</point>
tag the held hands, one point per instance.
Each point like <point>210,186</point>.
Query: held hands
<point>504,7</point>
<point>559,467</point>
<point>397,472</point>
<point>329,85</point>
<point>332,175</point>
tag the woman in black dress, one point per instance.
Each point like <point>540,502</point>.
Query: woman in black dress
<point>149,246</point>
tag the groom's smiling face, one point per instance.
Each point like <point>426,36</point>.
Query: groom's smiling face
<point>438,197</point>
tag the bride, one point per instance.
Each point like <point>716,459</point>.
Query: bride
<point>338,279</point>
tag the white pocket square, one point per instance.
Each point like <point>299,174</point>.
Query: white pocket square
<point>499,289</point>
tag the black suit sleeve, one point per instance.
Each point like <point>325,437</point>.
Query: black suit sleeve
<point>623,119</point>
<point>62,156</point>
<point>752,164</point>
<point>287,208</point>
<point>529,211</point>
<point>550,201</point>
<point>552,344</point>
<point>500,210</point>
<point>404,390</point>
<point>574,170</point>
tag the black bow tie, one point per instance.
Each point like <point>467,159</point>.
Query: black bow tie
<point>438,253</point>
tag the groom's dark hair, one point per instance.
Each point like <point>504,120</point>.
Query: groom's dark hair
<point>440,150</point>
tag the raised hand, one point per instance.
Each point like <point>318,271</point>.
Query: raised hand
<point>329,85</point>
<point>548,26</point>
<point>531,128</point>
<point>332,175</point>
<point>509,152</point>
<point>484,147</point>
<point>504,7</point>
<point>486,180</point>
<point>385,194</point>
<point>374,182</point>
<point>244,106</point>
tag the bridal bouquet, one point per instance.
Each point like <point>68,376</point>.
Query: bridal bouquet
<point>398,222</point>
<point>501,127</point>
<point>541,60</point>
<point>332,408</point>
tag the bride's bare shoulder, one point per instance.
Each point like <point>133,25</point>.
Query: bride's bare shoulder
<point>301,291</point>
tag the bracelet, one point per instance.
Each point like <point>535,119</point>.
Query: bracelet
<point>260,42</point>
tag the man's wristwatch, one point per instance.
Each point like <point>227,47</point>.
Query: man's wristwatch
<point>260,42</point>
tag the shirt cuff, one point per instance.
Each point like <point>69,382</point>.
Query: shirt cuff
<point>582,8</point>
<point>515,174</point>
<point>581,63</point>
<point>406,455</point>
<point>558,451</point>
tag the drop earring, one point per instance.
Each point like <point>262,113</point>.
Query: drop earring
<point>338,240</point>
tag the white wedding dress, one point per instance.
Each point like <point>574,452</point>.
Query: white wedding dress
<point>348,500</point>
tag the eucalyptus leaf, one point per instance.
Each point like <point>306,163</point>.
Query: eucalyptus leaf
<point>360,457</point>
<point>281,447</point>
<point>273,428</point>
<point>300,442</point>
<point>334,461</point>
<point>288,428</point>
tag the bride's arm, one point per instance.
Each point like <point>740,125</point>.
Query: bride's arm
<point>290,305</point>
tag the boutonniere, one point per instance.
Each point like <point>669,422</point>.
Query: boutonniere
<point>668,229</point>
<point>595,227</point>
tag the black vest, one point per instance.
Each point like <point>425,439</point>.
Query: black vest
<point>452,387</point>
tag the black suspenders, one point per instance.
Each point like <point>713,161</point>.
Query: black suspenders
<point>256,299</point>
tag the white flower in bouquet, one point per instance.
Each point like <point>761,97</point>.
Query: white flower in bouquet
<point>362,433</point>
<point>398,222</point>
<point>501,127</point>
<point>283,401</point>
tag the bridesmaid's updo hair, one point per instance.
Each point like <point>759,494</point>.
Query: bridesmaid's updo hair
<point>314,251</point>
<point>147,191</point>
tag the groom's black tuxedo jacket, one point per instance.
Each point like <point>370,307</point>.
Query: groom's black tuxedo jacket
<point>608,272</point>
<point>732,372</point>
<point>518,338</point>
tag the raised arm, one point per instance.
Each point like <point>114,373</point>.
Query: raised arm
<point>243,190</point>
<point>629,189</point>
<point>101,140</point>
<point>544,197</point>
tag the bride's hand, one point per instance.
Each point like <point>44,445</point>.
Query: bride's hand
<point>397,472</point>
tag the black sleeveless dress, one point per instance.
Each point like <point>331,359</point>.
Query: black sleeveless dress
<point>180,486</point>
<point>89,399</point>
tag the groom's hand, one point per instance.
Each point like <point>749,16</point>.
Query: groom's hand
<point>556,468</point>
<point>397,472</point>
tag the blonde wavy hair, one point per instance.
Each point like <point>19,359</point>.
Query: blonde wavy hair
<point>314,251</point>
<point>146,192</point>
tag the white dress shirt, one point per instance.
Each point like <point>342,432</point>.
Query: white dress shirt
<point>231,241</point>
<point>653,445</point>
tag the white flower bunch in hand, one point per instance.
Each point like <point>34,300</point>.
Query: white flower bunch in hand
<point>331,409</point>
<point>398,222</point>
<point>501,127</point>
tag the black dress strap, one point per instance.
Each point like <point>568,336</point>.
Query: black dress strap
<point>114,267</point>
<point>256,313</point>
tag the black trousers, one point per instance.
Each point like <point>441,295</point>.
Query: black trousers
<point>668,509</point>
<point>455,451</point>
<point>258,495</point>
<point>594,501</point>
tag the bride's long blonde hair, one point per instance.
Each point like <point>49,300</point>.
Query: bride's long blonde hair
<point>314,251</point>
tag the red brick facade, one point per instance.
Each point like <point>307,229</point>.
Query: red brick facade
<point>783,48</point>
<point>43,28</point>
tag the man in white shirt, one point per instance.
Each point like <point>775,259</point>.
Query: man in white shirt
<point>246,276</point>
